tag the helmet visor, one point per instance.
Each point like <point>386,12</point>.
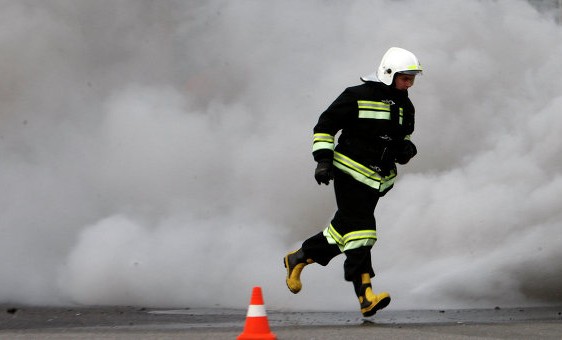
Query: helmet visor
<point>411,72</point>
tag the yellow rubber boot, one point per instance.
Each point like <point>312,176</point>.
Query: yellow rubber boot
<point>295,263</point>
<point>370,302</point>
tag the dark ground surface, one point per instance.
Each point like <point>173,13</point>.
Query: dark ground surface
<point>18,322</point>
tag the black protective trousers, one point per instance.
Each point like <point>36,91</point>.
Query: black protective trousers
<point>356,204</point>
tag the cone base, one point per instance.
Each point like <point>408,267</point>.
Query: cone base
<point>270,336</point>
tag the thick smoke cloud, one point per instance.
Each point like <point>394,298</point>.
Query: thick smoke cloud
<point>157,153</point>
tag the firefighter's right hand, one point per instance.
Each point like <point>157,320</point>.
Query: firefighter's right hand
<point>324,172</point>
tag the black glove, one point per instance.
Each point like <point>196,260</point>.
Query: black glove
<point>405,152</point>
<point>324,172</point>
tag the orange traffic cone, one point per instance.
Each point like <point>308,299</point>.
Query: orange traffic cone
<point>257,326</point>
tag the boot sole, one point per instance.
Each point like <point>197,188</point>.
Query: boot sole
<point>382,304</point>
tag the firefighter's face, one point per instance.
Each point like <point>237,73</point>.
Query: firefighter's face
<point>404,81</point>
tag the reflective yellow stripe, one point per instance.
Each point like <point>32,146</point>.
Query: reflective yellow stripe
<point>373,110</point>
<point>368,242</point>
<point>322,141</point>
<point>321,145</point>
<point>323,137</point>
<point>401,118</point>
<point>359,235</point>
<point>387,183</point>
<point>352,240</point>
<point>370,105</point>
<point>358,167</point>
<point>374,114</point>
<point>363,174</point>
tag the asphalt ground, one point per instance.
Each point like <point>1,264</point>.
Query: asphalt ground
<point>30,322</point>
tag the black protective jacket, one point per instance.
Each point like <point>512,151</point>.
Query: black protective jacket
<point>375,121</point>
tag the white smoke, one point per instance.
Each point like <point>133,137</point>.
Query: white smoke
<point>158,152</point>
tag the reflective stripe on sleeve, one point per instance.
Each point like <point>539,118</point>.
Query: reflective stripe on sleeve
<point>322,141</point>
<point>322,145</point>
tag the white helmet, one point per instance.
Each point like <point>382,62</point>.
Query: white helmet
<point>395,60</point>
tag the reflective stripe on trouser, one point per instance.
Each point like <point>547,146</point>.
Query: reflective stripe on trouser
<point>352,240</point>
<point>356,205</point>
<point>363,174</point>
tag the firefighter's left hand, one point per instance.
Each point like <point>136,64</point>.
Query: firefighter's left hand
<point>406,152</point>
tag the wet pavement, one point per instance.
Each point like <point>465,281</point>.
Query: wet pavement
<point>150,323</point>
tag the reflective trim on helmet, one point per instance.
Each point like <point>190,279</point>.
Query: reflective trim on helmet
<point>363,174</point>
<point>352,240</point>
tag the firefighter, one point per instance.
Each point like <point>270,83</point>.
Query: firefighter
<point>376,120</point>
